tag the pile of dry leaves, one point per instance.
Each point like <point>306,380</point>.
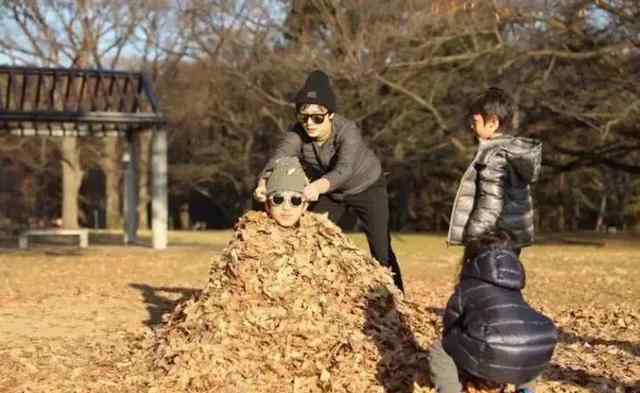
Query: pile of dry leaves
<point>290,310</point>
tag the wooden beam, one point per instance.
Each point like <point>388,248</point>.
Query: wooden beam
<point>153,100</point>
<point>148,119</point>
<point>23,96</point>
<point>7,101</point>
<point>61,70</point>
<point>65,130</point>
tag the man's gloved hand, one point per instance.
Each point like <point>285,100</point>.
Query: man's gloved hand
<point>260,192</point>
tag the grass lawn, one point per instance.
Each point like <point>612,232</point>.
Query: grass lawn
<point>54,293</point>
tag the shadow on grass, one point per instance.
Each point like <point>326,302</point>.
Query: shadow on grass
<point>595,383</point>
<point>205,240</point>
<point>402,361</point>
<point>47,245</point>
<point>570,241</point>
<point>162,300</point>
<point>568,337</point>
<point>56,245</point>
<point>117,239</point>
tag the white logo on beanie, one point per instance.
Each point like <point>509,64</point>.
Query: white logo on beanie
<point>312,94</point>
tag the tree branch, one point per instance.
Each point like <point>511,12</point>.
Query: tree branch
<point>432,109</point>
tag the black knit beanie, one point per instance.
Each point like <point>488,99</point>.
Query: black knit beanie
<point>316,90</point>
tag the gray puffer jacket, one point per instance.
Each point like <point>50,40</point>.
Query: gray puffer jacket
<point>494,192</point>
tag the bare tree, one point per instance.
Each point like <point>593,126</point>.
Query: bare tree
<point>404,70</point>
<point>407,70</point>
<point>230,47</point>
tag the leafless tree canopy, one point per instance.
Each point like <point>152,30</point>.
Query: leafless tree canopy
<point>404,69</point>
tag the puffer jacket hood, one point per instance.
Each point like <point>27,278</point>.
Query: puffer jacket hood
<point>525,156</point>
<point>499,267</point>
<point>522,154</point>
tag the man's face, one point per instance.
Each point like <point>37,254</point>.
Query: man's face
<point>286,207</point>
<point>484,129</point>
<point>316,121</point>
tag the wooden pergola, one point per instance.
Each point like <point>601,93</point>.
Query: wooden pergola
<point>84,102</point>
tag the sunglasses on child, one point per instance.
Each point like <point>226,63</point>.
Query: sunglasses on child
<point>316,118</point>
<point>279,199</point>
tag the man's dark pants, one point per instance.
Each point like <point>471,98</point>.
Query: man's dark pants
<point>371,206</point>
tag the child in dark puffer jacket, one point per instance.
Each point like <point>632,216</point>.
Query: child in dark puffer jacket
<point>490,332</point>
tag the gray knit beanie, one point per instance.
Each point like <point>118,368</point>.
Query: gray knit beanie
<point>287,175</point>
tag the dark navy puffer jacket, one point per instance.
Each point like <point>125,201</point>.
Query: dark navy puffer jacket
<point>494,192</point>
<point>489,329</point>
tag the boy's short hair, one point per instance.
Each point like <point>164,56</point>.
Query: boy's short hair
<point>494,102</point>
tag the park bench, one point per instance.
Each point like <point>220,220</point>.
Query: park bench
<point>83,235</point>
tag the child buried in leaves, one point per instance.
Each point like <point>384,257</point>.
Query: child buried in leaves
<point>290,305</point>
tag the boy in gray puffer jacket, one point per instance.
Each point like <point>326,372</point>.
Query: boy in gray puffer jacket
<point>490,333</point>
<point>494,192</point>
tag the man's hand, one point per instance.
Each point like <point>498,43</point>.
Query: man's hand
<point>311,193</point>
<point>260,192</point>
<point>313,190</point>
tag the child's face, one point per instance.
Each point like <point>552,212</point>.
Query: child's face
<point>482,129</point>
<point>286,207</point>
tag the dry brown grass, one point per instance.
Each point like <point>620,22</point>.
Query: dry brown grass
<point>53,297</point>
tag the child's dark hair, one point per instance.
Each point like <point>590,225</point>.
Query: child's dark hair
<point>494,102</point>
<point>491,240</point>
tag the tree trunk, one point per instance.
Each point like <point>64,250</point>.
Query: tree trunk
<point>71,170</point>
<point>143,180</point>
<point>575,219</point>
<point>71,180</point>
<point>562,219</point>
<point>113,173</point>
<point>601,214</point>
<point>185,219</point>
<point>635,225</point>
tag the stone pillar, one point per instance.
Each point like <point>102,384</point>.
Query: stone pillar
<point>131,161</point>
<point>160,205</point>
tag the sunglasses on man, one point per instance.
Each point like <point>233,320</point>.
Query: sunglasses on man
<point>293,200</point>
<point>316,118</point>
